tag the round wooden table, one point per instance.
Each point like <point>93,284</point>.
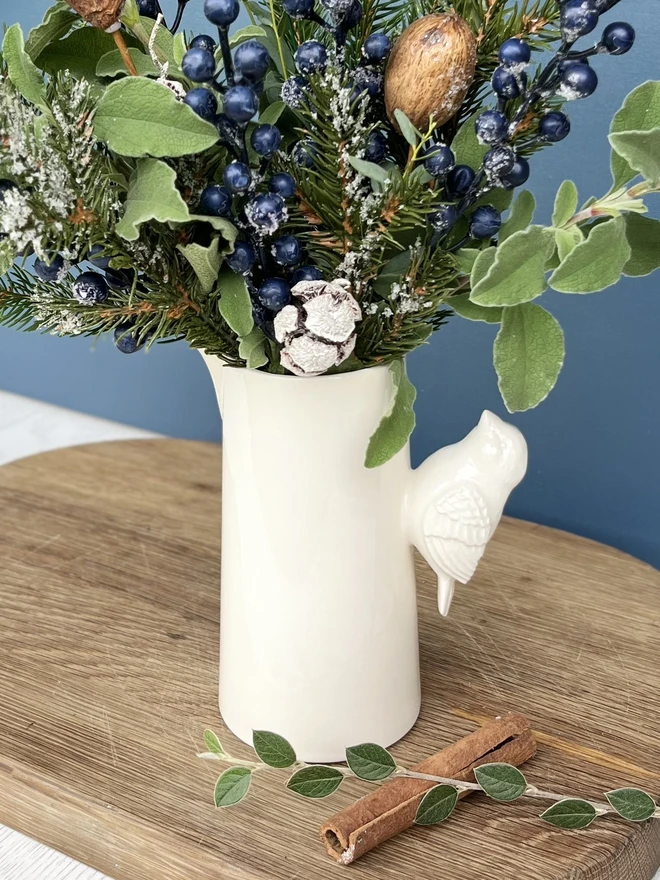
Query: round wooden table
<point>109,597</point>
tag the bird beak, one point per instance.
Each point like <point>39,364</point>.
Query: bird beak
<point>445,594</point>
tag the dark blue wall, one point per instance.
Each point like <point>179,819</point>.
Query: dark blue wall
<point>593,444</point>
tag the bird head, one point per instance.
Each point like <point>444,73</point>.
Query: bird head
<point>496,445</point>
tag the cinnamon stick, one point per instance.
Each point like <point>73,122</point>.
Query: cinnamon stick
<point>392,807</point>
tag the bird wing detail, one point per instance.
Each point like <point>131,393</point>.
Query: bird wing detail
<point>457,528</point>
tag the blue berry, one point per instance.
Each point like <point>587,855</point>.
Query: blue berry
<point>240,103</point>
<point>498,163</point>
<point>203,102</point>
<point>459,180</point>
<point>198,65</point>
<point>369,81</point>
<point>354,15</point>
<point>274,294</point>
<point>243,257</point>
<point>514,52</point>
<point>491,127</point>
<point>618,38</point>
<point>228,131</point>
<point>148,8</point>
<point>90,288</point>
<point>554,126</point>
<point>101,262</point>
<point>127,338</point>
<point>444,219</point>
<point>508,85</point>
<point>237,177</point>
<point>578,80</point>
<point>287,250</point>
<point>578,18</point>
<point>49,271</point>
<point>222,13</point>
<point>266,211</point>
<point>203,41</point>
<point>298,9</point>
<point>376,48</point>
<point>304,153</point>
<point>266,140</point>
<point>263,318</point>
<point>282,184</point>
<point>306,273</point>
<point>438,160</point>
<point>252,60</point>
<point>292,92</point>
<point>485,222</point>
<point>518,175</point>
<point>119,279</point>
<point>5,187</point>
<point>311,57</point>
<point>376,147</point>
<point>215,201</point>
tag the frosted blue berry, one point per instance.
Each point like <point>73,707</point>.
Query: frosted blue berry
<point>518,175</point>
<point>119,279</point>
<point>491,127</point>
<point>438,160</point>
<point>95,258</point>
<point>287,250</point>
<point>237,177</point>
<point>229,131</point>
<point>485,222</point>
<point>459,180</point>
<point>221,13</point>
<point>353,16</point>
<point>215,201</point>
<point>266,140</point>
<point>5,187</point>
<point>243,257</point>
<point>498,163</point>
<point>240,103</point>
<point>198,65</point>
<point>514,52</point>
<point>578,18</point>
<point>578,80</point>
<point>376,147</point>
<point>251,61</point>
<point>274,294</point>
<point>444,218</point>
<point>203,102</point>
<point>282,184</point>
<point>127,338</point>
<point>148,8</point>
<point>90,288</point>
<point>49,271</point>
<point>507,84</point>
<point>369,80</point>
<point>618,38</point>
<point>554,126</point>
<point>311,57</point>
<point>203,41</point>
<point>298,9</point>
<point>292,92</point>
<point>376,48</point>
<point>266,211</point>
<point>306,273</point>
<point>304,153</point>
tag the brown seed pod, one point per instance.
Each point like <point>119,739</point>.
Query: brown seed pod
<point>430,69</point>
<point>100,13</point>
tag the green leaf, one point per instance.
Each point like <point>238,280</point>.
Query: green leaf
<point>408,130</point>
<point>137,117</point>
<point>272,113</point>
<point>466,147</point>
<point>641,150</point>
<point>369,169</point>
<point>252,348</point>
<point>466,257</point>
<point>80,52</point>
<point>232,786</point>
<point>315,782</point>
<point>235,303</point>
<point>397,424</point>
<point>482,265</point>
<point>570,813</point>
<point>179,48</point>
<point>163,44</point>
<point>212,743</point>
<point>595,263</point>
<point>518,271</point>
<point>220,224</point>
<point>632,803</point>
<point>57,22</point>
<point>391,273</point>
<point>152,195</point>
<point>643,236</point>
<point>437,805</point>
<point>502,782</point>
<point>206,262</point>
<point>567,240</point>
<point>130,14</point>
<point>251,32</point>
<point>370,761</point>
<point>528,355</point>
<point>112,64</point>
<point>640,112</point>
<point>273,749</point>
<point>22,72</point>
<point>566,202</point>
<point>6,257</point>
<point>463,306</point>
<point>521,216</point>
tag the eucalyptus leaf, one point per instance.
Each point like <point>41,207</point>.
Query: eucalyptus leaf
<point>528,355</point>
<point>369,169</point>
<point>315,782</point>
<point>466,147</point>
<point>235,303</point>
<point>370,761</point>
<point>152,195</point>
<point>251,32</point>
<point>517,274</point>
<point>463,306</point>
<point>80,52</point>
<point>566,202</point>
<point>206,262</point>
<point>179,48</point>
<point>212,743</point>
<point>571,813</point>
<point>502,782</point>
<point>112,64</point>
<point>57,22</point>
<point>640,150</point>
<point>252,348</point>
<point>643,235</point>
<point>21,70</point>
<point>437,805</point>
<point>232,786</point>
<point>397,424</point>
<point>567,240</point>
<point>408,130</point>
<point>632,803</point>
<point>640,112</point>
<point>272,113</point>
<point>482,265</point>
<point>597,262</point>
<point>520,217</point>
<point>273,749</point>
<point>391,273</point>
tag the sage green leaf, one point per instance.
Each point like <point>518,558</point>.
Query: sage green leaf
<point>273,749</point>
<point>370,761</point>
<point>640,112</point>
<point>138,117</point>
<point>369,169</point>
<point>163,44</point>
<point>112,64</point>
<point>252,348</point>
<point>80,52</point>
<point>251,32</point>
<point>272,113</point>
<point>643,236</point>
<point>220,224</point>
<point>466,257</point>
<point>528,355</point>
<point>596,263</point>
<point>57,22</point>
<point>517,274</point>
<point>437,805</point>
<point>212,743</point>
<point>408,130</point>
<point>567,240</point>
<point>466,147</point>
<point>152,195</point>
<point>641,151</point>
<point>206,262</point>
<point>463,306</point>
<point>571,813</point>
<point>22,72</point>
<point>315,782</point>
<point>397,424</point>
<point>502,782</point>
<point>391,273</point>
<point>632,803</point>
<point>482,265</point>
<point>6,257</point>
<point>566,202</point>
<point>235,303</point>
<point>179,48</point>
<point>521,216</point>
<point>130,14</point>
<point>232,786</point>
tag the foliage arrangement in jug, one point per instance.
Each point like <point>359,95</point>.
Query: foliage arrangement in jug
<point>320,190</point>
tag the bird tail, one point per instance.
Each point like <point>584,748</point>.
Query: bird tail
<point>445,593</point>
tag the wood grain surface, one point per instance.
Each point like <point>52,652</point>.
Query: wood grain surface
<point>109,597</point>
